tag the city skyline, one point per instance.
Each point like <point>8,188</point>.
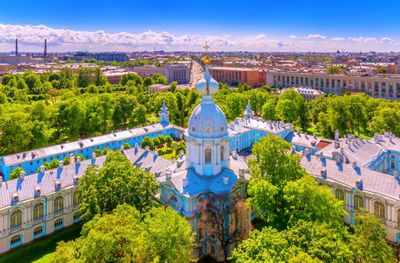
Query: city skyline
<point>182,26</point>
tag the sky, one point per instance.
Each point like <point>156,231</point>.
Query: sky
<point>174,25</point>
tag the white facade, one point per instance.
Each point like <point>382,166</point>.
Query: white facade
<point>378,87</point>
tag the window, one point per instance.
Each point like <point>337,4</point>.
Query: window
<point>222,153</point>
<point>37,232</point>
<point>398,217</point>
<point>15,241</point>
<point>75,199</point>
<point>207,155</point>
<point>339,194</point>
<point>58,204</point>
<point>379,209</point>
<point>58,224</point>
<point>358,202</point>
<point>38,211</point>
<point>77,217</point>
<point>16,219</point>
<point>392,162</point>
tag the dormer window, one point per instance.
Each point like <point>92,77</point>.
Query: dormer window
<point>15,197</point>
<point>58,185</point>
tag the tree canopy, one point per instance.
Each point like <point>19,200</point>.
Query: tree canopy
<point>117,182</point>
<point>126,235</point>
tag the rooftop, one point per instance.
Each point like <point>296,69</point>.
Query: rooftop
<point>15,159</point>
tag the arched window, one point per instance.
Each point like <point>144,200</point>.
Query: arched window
<point>379,209</point>
<point>58,204</point>
<point>16,219</point>
<point>398,217</point>
<point>358,202</point>
<point>207,155</point>
<point>339,193</point>
<point>58,224</point>
<point>15,241</point>
<point>38,211</point>
<point>75,198</point>
<point>222,153</point>
<point>37,232</point>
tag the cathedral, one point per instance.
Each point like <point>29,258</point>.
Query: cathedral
<point>209,184</point>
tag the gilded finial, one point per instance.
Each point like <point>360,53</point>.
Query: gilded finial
<point>206,59</point>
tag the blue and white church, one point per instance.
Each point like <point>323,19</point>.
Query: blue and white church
<point>207,172</point>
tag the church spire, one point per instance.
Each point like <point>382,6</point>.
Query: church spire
<point>163,115</point>
<point>248,113</point>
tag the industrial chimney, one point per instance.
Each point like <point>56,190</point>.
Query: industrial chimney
<point>16,47</point>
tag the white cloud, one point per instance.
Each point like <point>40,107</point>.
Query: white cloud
<point>364,39</point>
<point>315,36</point>
<point>31,39</point>
<point>337,39</point>
<point>386,40</point>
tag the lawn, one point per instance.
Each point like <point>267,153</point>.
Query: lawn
<point>41,251</point>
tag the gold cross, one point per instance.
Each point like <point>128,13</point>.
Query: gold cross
<point>206,47</point>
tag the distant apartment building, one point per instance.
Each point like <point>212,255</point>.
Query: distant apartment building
<point>13,59</point>
<point>253,77</point>
<point>307,93</point>
<point>102,56</point>
<point>177,72</point>
<point>375,86</point>
<point>158,88</point>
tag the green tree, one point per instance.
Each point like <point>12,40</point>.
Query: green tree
<point>159,79</point>
<point>148,81</point>
<point>235,103</point>
<point>33,82</point>
<point>173,84</point>
<point>21,84</point>
<point>386,119</point>
<point>139,116</point>
<point>268,109</point>
<point>126,235</point>
<point>273,167</point>
<point>15,130</point>
<point>368,242</point>
<point>334,69</point>
<point>131,76</point>
<point>307,200</point>
<point>173,242</point>
<point>268,245</point>
<point>123,110</point>
<point>66,252</point>
<point>117,182</point>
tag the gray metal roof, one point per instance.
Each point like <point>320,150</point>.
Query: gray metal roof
<point>25,188</point>
<point>22,157</point>
<point>345,174</point>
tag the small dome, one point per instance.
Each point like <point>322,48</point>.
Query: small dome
<point>208,120</point>
<point>201,85</point>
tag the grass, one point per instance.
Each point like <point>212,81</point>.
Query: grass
<point>42,251</point>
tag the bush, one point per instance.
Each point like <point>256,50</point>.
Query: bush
<point>169,141</point>
<point>16,172</point>
<point>161,138</point>
<point>147,141</point>
<point>126,146</point>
